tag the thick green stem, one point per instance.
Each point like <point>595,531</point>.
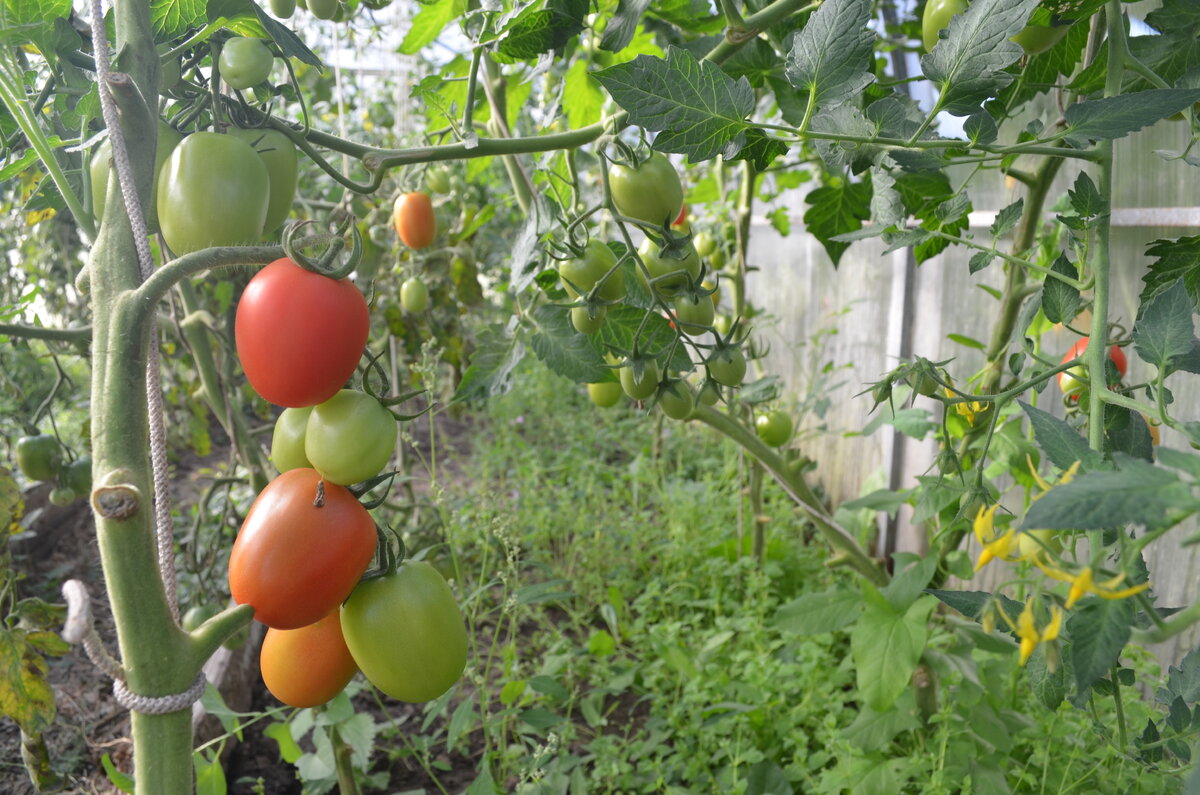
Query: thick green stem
<point>793,484</point>
<point>49,334</point>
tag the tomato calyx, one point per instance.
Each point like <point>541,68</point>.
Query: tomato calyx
<point>323,265</point>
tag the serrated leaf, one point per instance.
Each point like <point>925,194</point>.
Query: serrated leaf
<point>887,208</point>
<point>831,54</point>
<point>760,149</point>
<point>497,354</point>
<point>1099,629</point>
<point>1061,301</point>
<point>428,24</point>
<point>1177,261</point>
<point>886,647</point>
<point>697,109</point>
<point>1086,199</point>
<point>1050,687</point>
<point>25,694</point>
<point>1007,218</point>
<point>171,18</point>
<point>1061,443</point>
<point>563,349</point>
<point>1184,681</point>
<point>623,24</point>
<point>980,128</point>
<point>537,30</point>
<point>1138,493</point>
<point>873,730</point>
<point>969,63</point>
<point>836,210</point>
<point>1115,117</point>
<point>623,323</point>
<point>980,260</point>
<point>818,613</point>
<point>1166,328</point>
<point>971,603</point>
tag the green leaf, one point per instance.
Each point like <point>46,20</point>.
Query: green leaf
<point>1099,629</point>
<point>1184,681</point>
<point>460,723</point>
<point>1165,329</point>
<point>697,109</point>
<point>1061,443</point>
<point>880,500</point>
<point>32,20</point>
<point>497,353</point>
<point>1060,301</point>
<point>1049,687</point>
<point>971,603</point>
<point>1086,199</point>
<point>1115,117</point>
<point>818,613</point>
<point>171,18</point>
<point>912,574</point>
<point>830,54</point>
<point>886,647</point>
<point>582,97</point>
<point>210,775</point>
<point>25,694</point>
<point>835,210</point>
<point>428,24</point>
<point>538,30</point>
<point>766,778</point>
<point>969,63</point>
<point>1138,493</point>
<point>966,342</point>
<point>1007,218</point>
<point>563,349</point>
<point>1127,431</point>
<point>1178,262</point>
<point>623,24</point>
<point>760,149</point>
<point>121,781</point>
<point>289,751</point>
<point>483,784</point>
<point>980,260</point>
<point>289,43</point>
<point>621,326</point>
<point>873,730</point>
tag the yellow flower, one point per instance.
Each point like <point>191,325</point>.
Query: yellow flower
<point>1030,635</point>
<point>969,409</point>
<point>1083,584</point>
<point>1003,546</point>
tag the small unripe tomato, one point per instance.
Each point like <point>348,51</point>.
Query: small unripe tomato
<point>1033,544</point>
<point>437,179</point>
<point>605,394</point>
<point>774,427</point>
<point>414,295</point>
<point>245,62</point>
<point>585,322</point>
<point>676,400</point>
<point>643,387</point>
<point>1074,380</point>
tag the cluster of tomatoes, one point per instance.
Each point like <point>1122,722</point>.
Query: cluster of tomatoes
<point>323,9</point>
<point>412,215</point>
<point>40,458</point>
<point>305,545</point>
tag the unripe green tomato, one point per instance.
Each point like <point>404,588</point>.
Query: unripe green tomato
<point>774,427</point>
<point>323,9</point>
<point>278,154</point>
<point>39,457</point>
<point>1036,39</point>
<point>61,496</point>
<point>695,313</point>
<point>438,180</point>
<point>924,384</point>
<point>283,8</point>
<point>671,275</point>
<point>938,14</point>
<point>722,324</point>
<point>709,394</point>
<point>676,400</point>
<point>1030,549</point>
<point>705,243</point>
<point>101,166</point>
<point>245,61</point>
<point>414,295</point>
<point>580,275</point>
<point>586,323</point>
<point>605,394</point>
<point>727,366</point>
<point>651,192</point>
<point>644,387</point>
<point>77,476</point>
<point>717,259</point>
<point>287,441</point>
<point>197,615</point>
<point>350,438</point>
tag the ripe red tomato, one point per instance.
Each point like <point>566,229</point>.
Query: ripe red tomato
<point>307,666</point>
<point>1074,380</point>
<point>406,633</point>
<point>413,216</point>
<point>294,561</point>
<point>299,334</point>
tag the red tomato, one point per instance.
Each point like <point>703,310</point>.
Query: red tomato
<point>306,667</point>
<point>294,561</point>
<point>1074,380</point>
<point>682,217</point>
<point>413,216</point>
<point>299,334</point>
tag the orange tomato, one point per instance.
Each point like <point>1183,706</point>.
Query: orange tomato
<point>307,666</point>
<point>413,216</point>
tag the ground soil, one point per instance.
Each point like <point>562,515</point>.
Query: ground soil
<point>60,544</point>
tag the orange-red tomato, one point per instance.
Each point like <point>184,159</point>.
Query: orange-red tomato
<point>1073,380</point>
<point>294,561</point>
<point>413,216</point>
<point>307,666</point>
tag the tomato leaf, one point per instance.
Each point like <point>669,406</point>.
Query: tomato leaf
<point>210,775</point>
<point>538,30</point>
<point>829,55</point>
<point>1115,117</point>
<point>1062,443</point>
<point>1137,493</point>
<point>1178,261</point>
<point>818,613</point>
<point>1050,687</point>
<point>428,24</point>
<point>886,646</point>
<point>497,353</point>
<point>1060,301</point>
<point>968,64</point>
<point>620,29</point>
<point>1099,629</point>
<point>563,349</point>
<point>289,751</point>
<point>872,730</point>
<point>1165,330</point>
<point>836,210</point>
<point>25,694</point>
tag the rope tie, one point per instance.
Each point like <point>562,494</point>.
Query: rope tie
<point>80,628</point>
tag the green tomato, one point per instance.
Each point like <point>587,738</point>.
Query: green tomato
<point>414,295</point>
<point>245,62</point>
<point>405,632</point>
<point>213,190</point>
<point>350,437</point>
<point>586,323</point>
<point>669,275</point>
<point>287,441</point>
<point>938,14</point>
<point>640,388</point>
<point>1034,544</point>
<point>278,154</point>
<point>323,9</point>
<point>717,259</point>
<point>705,243</point>
<point>101,166</point>
<point>727,366</point>
<point>197,615</point>
<point>605,394</point>
<point>722,324</point>
<point>77,476</point>
<point>774,427</point>
<point>283,8</point>
<point>709,394</point>
<point>39,457</point>
<point>61,496</point>
<point>695,313</point>
<point>676,400</point>
<point>1035,39</point>
<point>651,192</point>
<point>437,179</point>
<point>580,275</point>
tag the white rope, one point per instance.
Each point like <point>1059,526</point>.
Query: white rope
<point>164,531</point>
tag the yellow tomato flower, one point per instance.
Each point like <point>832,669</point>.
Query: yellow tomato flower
<point>1003,546</point>
<point>969,409</point>
<point>1030,635</point>
<point>1083,584</point>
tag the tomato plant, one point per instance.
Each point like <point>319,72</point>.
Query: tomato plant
<point>414,295</point>
<point>278,154</point>
<point>705,243</point>
<point>1035,39</point>
<point>350,437</point>
<point>245,62</point>
<point>294,560</point>
<point>668,275</point>
<point>774,427</point>
<point>605,394</point>
<point>299,334</point>
<point>39,457</point>
<point>412,215</point>
<point>1073,380</point>
<point>101,166</point>
<point>639,378</point>
<point>581,274</point>
<point>650,191</point>
<point>727,365</point>
<point>307,666</point>
<point>287,440</point>
<point>213,190</point>
<point>406,633</point>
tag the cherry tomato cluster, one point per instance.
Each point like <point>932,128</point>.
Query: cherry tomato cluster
<point>305,545</point>
<point>40,457</point>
